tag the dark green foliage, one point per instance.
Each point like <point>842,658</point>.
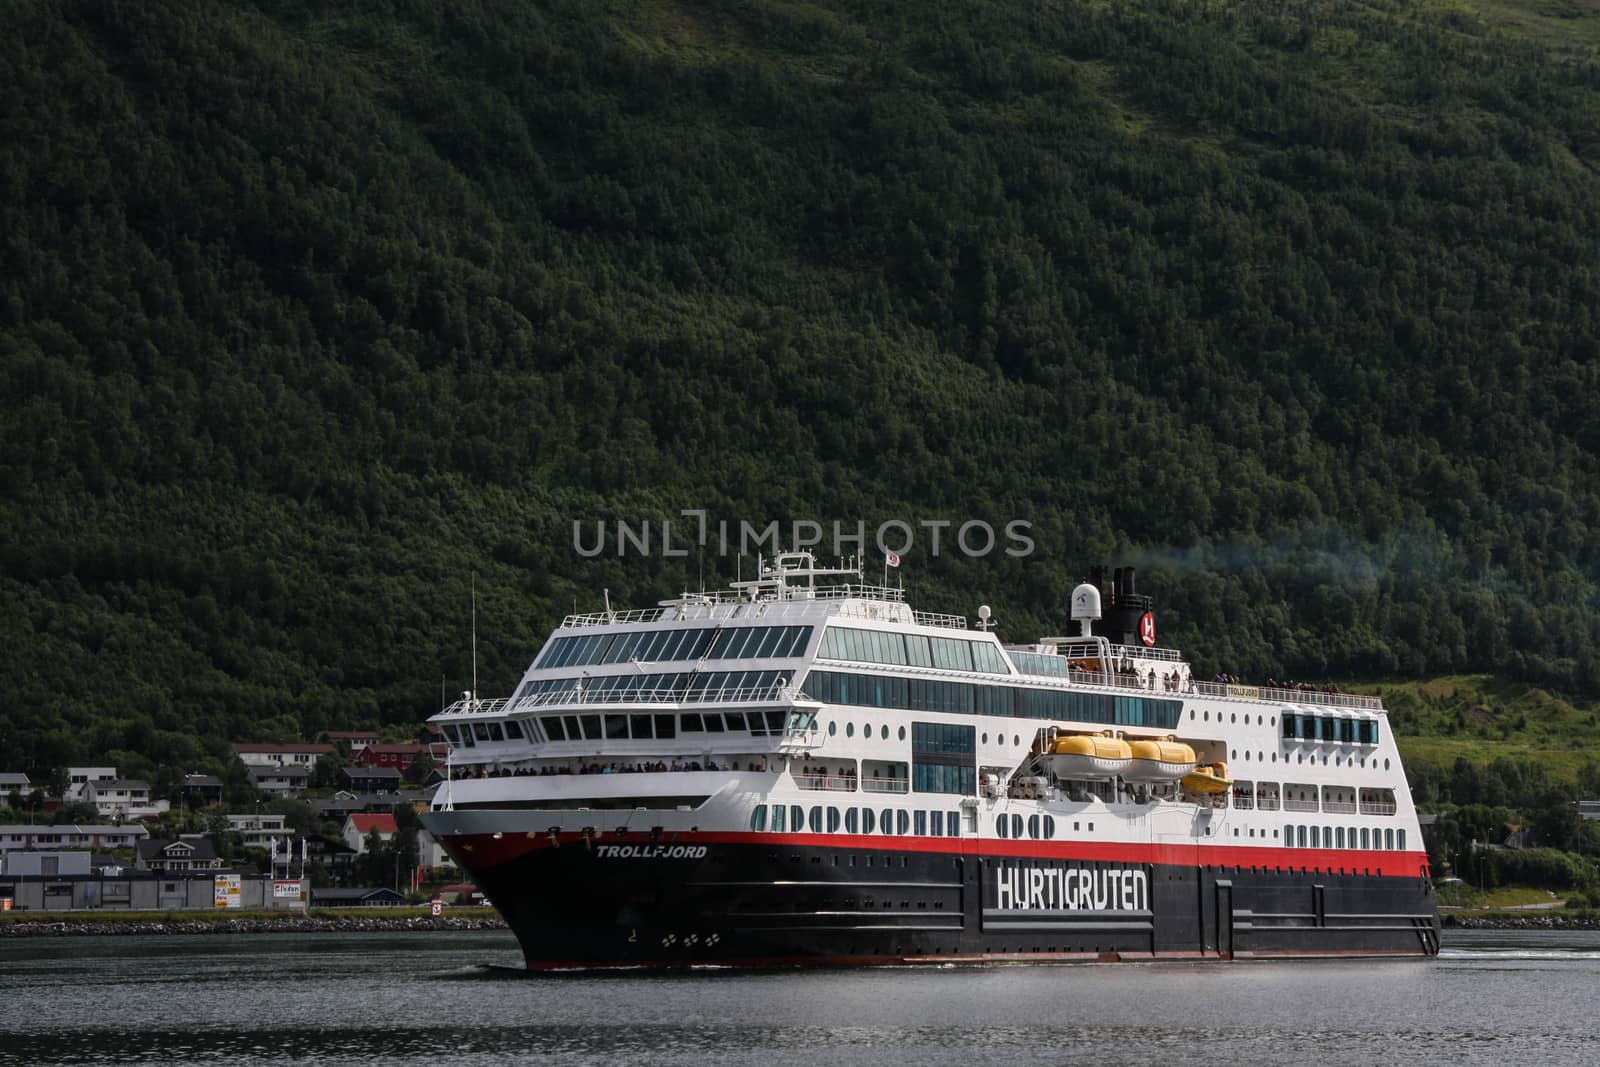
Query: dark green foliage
<point>308,313</point>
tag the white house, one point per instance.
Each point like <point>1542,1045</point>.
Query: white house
<point>78,777</point>
<point>360,824</point>
<point>259,830</point>
<point>124,798</point>
<point>276,755</point>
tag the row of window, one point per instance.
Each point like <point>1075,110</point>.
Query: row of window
<point>691,687</point>
<point>1040,663</point>
<point>1040,827</point>
<point>1330,728</point>
<point>820,819</point>
<point>623,727</point>
<point>1338,837</point>
<point>928,694</point>
<point>913,650</point>
<point>661,646</point>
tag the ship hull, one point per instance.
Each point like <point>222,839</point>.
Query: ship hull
<point>774,900</point>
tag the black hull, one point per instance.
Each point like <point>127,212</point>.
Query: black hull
<point>736,900</point>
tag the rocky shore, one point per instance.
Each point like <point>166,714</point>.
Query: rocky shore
<point>1531,921</point>
<point>44,926</point>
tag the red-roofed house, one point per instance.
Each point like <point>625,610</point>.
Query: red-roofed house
<point>398,756</point>
<point>359,825</point>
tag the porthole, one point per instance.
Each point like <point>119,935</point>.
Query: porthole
<point>1233,717</point>
<point>833,728</point>
<point>902,733</point>
<point>1016,739</point>
<point>1274,757</point>
<point>1235,754</point>
<point>1205,717</point>
<point>1191,713</point>
<point>986,739</point>
<point>1272,721</point>
<point>1385,764</point>
<point>1247,755</point>
<point>849,729</point>
<point>885,734</point>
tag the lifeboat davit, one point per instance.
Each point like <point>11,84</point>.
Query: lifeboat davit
<point>1089,756</point>
<point>1208,779</point>
<point>1158,761</point>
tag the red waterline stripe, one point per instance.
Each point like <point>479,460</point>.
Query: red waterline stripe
<point>487,850</point>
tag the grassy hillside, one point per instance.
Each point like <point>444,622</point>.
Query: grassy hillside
<point>1482,719</point>
<point>310,313</point>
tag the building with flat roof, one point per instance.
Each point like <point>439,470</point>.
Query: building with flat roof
<point>23,836</point>
<point>266,754</point>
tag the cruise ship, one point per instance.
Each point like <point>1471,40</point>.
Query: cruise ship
<point>803,770</point>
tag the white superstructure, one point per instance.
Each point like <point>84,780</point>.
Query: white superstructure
<point>791,706</point>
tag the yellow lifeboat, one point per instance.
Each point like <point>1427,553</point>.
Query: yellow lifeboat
<point>1089,756</point>
<point>1209,779</point>
<point>1158,761</point>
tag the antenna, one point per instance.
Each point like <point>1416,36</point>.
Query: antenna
<point>474,635</point>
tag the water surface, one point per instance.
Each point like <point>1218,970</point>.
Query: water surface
<point>1492,997</point>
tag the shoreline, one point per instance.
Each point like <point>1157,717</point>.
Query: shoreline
<point>1583,920</point>
<point>70,924</point>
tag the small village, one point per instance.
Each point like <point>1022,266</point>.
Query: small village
<point>324,824</point>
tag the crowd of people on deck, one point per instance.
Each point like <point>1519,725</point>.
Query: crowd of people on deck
<point>1222,678</point>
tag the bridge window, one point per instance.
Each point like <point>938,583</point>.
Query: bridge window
<point>758,818</point>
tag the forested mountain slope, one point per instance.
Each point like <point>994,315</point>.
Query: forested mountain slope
<point>309,312</point>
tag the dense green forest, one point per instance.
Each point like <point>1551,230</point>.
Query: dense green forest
<point>312,314</point>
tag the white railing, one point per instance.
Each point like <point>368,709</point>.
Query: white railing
<point>609,618</point>
<point>935,618</point>
<point>1339,807</point>
<point>1288,696</point>
<point>478,707</point>
<point>1267,803</point>
<point>1377,807</point>
<point>1243,801</point>
<point>1299,805</point>
<point>838,783</point>
<point>1121,652</point>
<point>577,696</point>
<point>885,785</point>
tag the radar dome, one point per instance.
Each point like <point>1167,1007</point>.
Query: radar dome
<point>1086,602</point>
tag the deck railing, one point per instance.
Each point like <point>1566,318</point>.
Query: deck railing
<point>1377,807</point>
<point>1339,807</point>
<point>834,783</point>
<point>1299,805</point>
<point>885,785</point>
